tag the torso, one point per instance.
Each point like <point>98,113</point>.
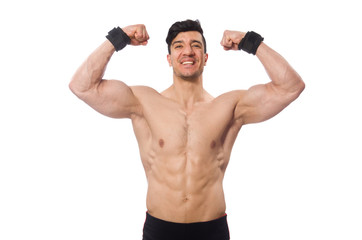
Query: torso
<point>185,154</point>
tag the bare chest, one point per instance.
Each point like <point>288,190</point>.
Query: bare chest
<point>174,131</point>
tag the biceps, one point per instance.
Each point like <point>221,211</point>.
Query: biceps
<point>113,98</point>
<point>260,103</point>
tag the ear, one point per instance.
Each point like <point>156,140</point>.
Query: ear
<point>169,60</point>
<point>206,58</point>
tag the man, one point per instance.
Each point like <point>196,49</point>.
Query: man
<point>184,134</point>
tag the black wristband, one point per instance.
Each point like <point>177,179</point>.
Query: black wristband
<point>118,38</point>
<point>250,42</point>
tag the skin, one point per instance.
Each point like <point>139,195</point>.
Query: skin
<point>185,135</point>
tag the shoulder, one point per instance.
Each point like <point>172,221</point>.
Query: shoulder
<point>232,97</point>
<point>150,99</point>
<point>227,103</point>
<point>145,94</point>
<point>140,90</point>
<point>231,102</point>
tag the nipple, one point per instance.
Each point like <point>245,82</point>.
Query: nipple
<point>212,144</point>
<point>161,142</point>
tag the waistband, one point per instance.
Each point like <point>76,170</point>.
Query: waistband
<point>158,229</point>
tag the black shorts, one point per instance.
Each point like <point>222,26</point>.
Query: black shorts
<point>157,229</point>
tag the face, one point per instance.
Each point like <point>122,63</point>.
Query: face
<point>187,55</point>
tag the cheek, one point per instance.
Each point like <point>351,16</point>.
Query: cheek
<point>171,60</point>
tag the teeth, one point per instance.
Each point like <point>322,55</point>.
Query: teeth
<point>184,63</point>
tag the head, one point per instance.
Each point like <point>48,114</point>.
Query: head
<point>184,26</point>
<point>187,49</point>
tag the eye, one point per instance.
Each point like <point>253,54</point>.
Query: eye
<point>178,46</point>
<point>196,45</point>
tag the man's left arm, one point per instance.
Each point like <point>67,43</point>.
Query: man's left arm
<point>264,101</point>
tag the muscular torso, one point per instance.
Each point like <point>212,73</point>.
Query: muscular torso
<point>185,154</point>
<point>185,150</point>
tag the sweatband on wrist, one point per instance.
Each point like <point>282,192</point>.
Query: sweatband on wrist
<point>250,42</point>
<point>118,38</point>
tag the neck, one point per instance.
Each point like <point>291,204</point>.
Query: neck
<point>188,92</point>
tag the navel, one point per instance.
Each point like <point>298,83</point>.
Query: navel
<point>186,198</point>
<point>161,142</point>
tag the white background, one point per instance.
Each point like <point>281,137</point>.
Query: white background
<point>67,172</point>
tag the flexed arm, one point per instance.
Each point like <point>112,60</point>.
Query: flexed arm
<point>264,101</point>
<point>112,98</point>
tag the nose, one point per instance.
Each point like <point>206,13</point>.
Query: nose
<point>188,50</point>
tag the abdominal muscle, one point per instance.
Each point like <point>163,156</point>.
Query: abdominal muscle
<point>186,188</point>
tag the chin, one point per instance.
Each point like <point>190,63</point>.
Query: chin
<point>190,77</point>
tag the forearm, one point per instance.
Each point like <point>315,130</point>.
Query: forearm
<point>91,72</point>
<point>282,75</point>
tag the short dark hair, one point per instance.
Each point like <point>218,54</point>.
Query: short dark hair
<point>184,26</point>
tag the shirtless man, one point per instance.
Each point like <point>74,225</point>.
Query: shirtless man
<point>184,134</point>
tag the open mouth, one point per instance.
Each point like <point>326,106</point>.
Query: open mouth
<point>188,63</point>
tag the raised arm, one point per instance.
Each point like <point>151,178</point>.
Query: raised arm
<point>264,101</point>
<point>112,98</point>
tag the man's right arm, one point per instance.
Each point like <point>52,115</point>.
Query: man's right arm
<point>112,98</point>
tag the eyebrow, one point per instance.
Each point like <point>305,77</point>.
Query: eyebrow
<point>180,41</point>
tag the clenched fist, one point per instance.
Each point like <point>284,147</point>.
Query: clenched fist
<point>137,33</point>
<point>231,39</point>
